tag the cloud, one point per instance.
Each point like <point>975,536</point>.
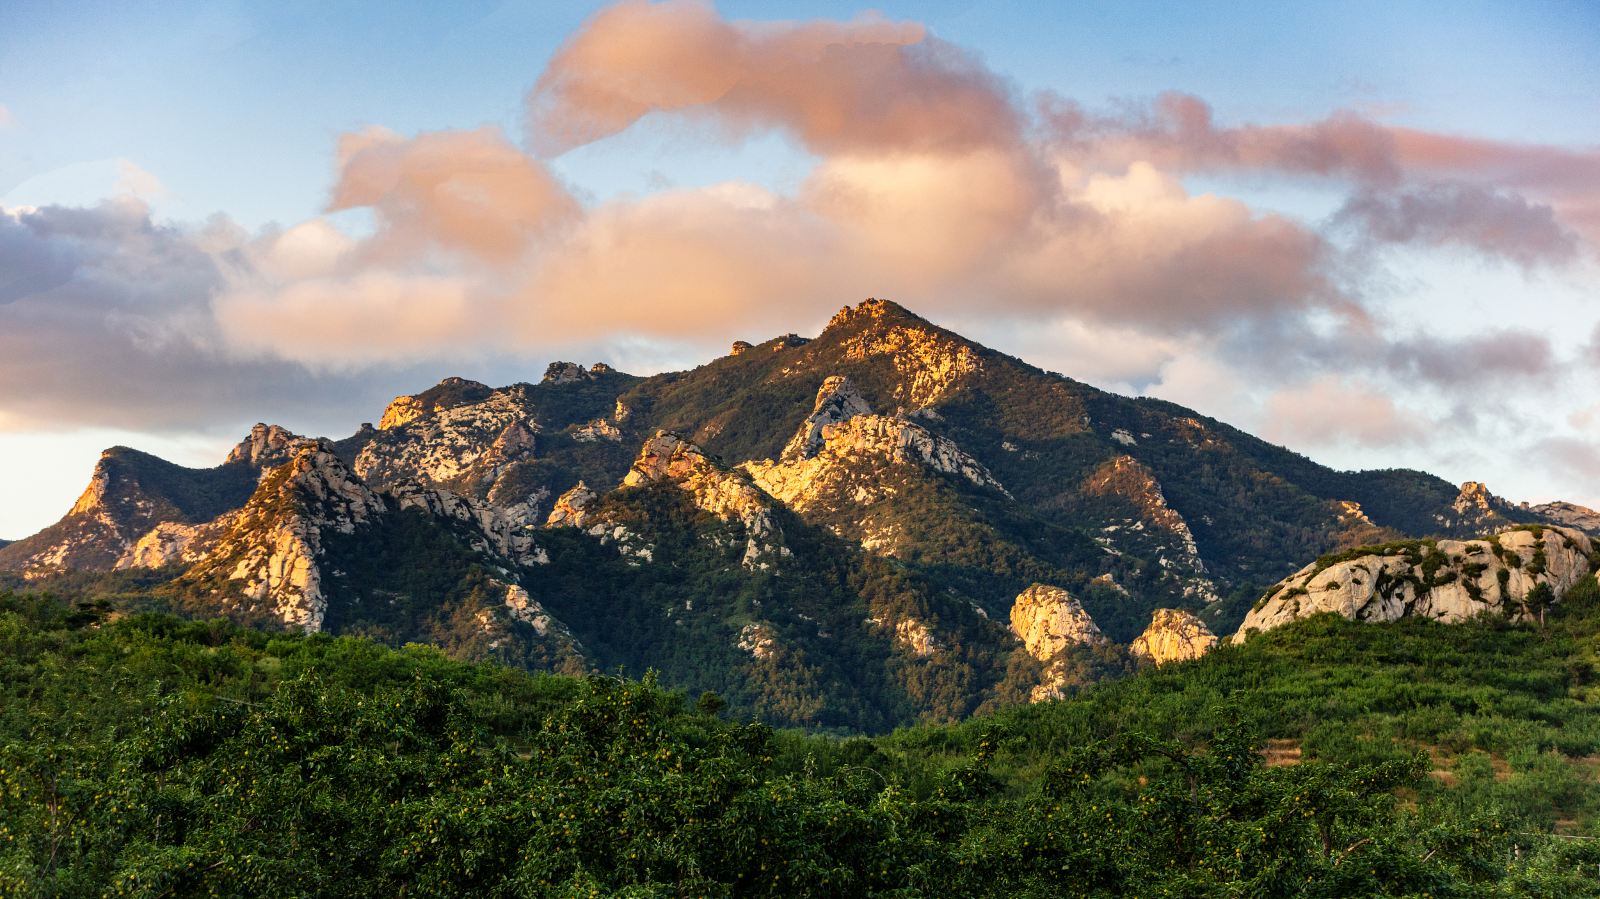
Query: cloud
<point>867,85</point>
<point>1429,186</point>
<point>1497,224</point>
<point>6,119</point>
<point>465,191</point>
<point>105,321</point>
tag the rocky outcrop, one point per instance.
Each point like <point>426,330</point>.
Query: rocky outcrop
<point>1155,530</point>
<point>916,636</point>
<point>1048,619</point>
<point>268,561</point>
<point>837,401</point>
<point>170,543</point>
<point>837,449</point>
<point>474,441</point>
<point>597,430</point>
<point>759,639</point>
<point>266,446</point>
<point>571,508</point>
<point>725,493</point>
<point>1174,635</point>
<point>444,395</point>
<point>490,531</point>
<point>1445,580</point>
<point>1476,510</point>
<point>402,410</point>
<point>930,363</point>
<point>1569,515</point>
<point>128,494</point>
<point>567,373</point>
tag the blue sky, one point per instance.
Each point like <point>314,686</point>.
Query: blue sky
<point>208,110</point>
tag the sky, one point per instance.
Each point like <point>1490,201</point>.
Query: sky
<point>1367,231</point>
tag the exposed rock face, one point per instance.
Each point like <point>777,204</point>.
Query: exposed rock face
<point>476,440</point>
<point>567,373</point>
<point>725,493</point>
<point>270,555</point>
<point>842,440</point>
<point>1476,509</point>
<point>1569,514</point>
<point>1174,635</point>
<point>599,429</point>
<point>1446,580</point>
<point>400,411</point>
<point>1049,619</point>
<point>492,531</point>
<point>916,636</point>
<point>930,364</point>
<point>739,348</point>
<point>128,494</point>
<point>524,608</point>
<point>443,395</point>
<point>170,542</point>
<point>837,401</point>
<point>1155,523</point>
<point>758,639</point>
<point>571,508</point>
<point>267,445</point>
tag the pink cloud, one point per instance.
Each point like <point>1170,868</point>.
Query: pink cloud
<point>1178,132</point>
<point>466,191</point>
<point>864,85</point>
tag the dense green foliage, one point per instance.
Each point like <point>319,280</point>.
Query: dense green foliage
<point>147,756</point>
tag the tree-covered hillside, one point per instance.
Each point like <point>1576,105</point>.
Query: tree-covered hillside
<point>149,756</point>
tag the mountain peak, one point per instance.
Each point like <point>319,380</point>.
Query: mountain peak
<point>446,394</point>
<point>567,373</point>
<point>265,445</point>
<point>869,309</point>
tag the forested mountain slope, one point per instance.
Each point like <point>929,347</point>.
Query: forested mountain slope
<point>832,532</point>
<point>149,756</point>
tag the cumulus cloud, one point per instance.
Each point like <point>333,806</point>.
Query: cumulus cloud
<point>105,321</point>
<point>465,191</point>
<point>864,85</point>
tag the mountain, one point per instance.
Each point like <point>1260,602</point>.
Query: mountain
<point>883,524</point>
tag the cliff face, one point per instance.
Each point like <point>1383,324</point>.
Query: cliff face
<point>265,446</point>
<point>131,493</point>
<point>843,440</point>
<point>1446,580</point>
<point>713,488</point>
<point>1049,620</point>
<point>1174,635</point>
<point>268,563</point>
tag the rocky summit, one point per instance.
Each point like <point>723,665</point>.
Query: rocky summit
<point>880,524</point>
<point>1515,574</point>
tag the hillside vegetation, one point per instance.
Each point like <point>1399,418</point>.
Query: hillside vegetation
<point>150,756</point>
